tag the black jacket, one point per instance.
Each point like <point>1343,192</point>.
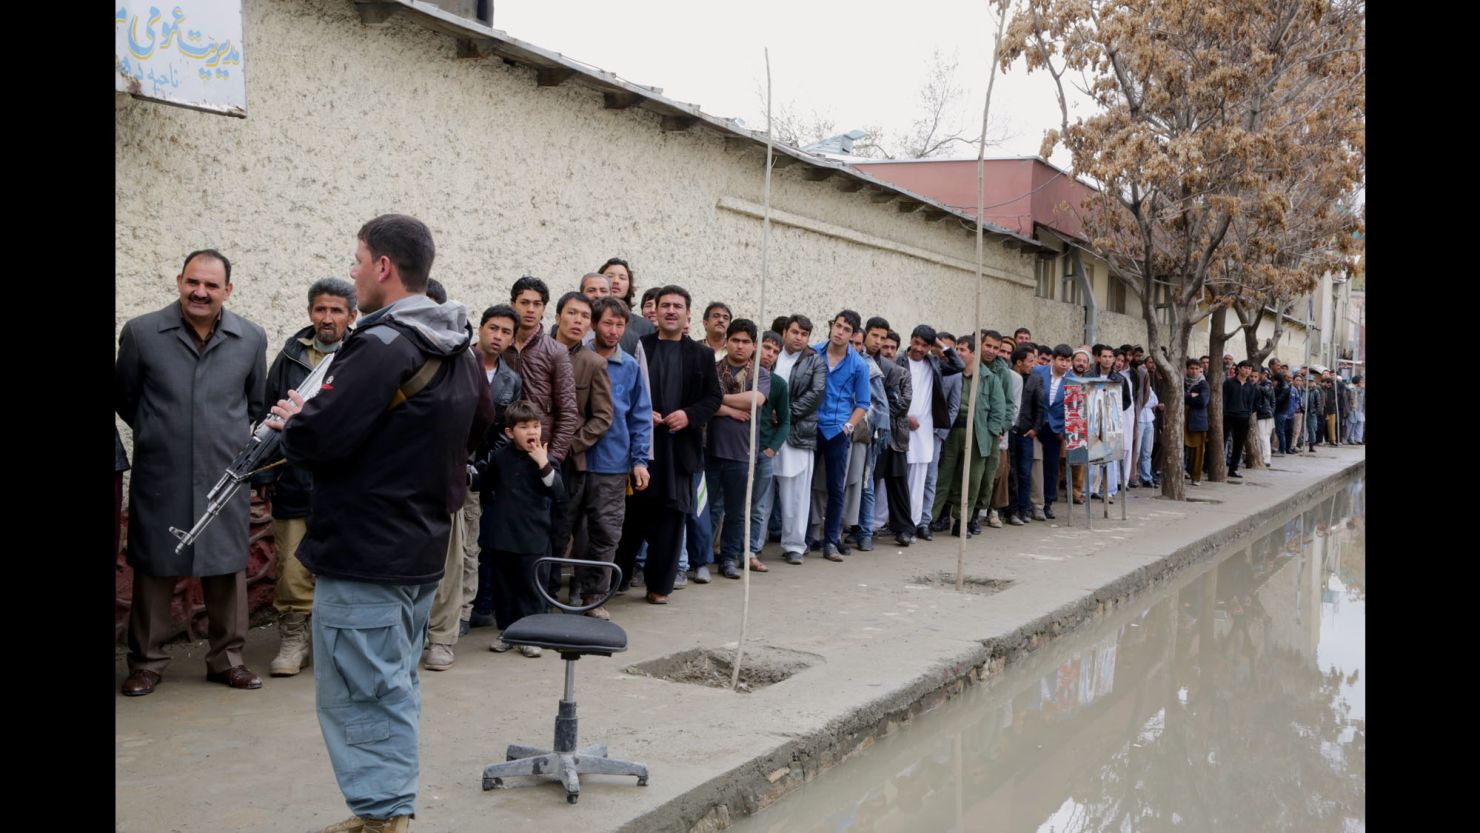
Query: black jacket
<point>1238,400</point>
<point>1033,410</point>
<point>387,480</point>
<point>1264,400</point>
<point>288,486</point>
<point>700,398</point>
<point>517,503</point>
<point>950,365</point>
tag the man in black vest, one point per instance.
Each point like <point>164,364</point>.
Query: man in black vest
<point>686,394</point>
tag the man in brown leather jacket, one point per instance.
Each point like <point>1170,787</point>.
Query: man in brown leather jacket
<point>544,366</point>
<point>587,495</point>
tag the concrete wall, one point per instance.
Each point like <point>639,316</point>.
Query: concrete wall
<point>348,121</point>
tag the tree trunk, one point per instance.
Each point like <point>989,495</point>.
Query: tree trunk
<point>1173,433</point>
<point>1214,464</point>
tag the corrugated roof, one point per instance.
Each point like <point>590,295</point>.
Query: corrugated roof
<point>474,39</point>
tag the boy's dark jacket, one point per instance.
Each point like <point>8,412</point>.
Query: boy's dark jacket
<point>517,505</point>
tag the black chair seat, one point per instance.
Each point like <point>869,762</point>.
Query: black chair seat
<point>568,634</point>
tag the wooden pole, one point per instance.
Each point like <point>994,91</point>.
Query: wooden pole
<point>755,377</point>
<point>969,402</point>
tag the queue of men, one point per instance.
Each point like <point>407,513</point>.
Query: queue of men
<point>439,460</point>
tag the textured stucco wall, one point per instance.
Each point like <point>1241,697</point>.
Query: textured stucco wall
<point>347,121</point>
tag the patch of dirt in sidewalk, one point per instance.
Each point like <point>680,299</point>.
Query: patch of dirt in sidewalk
<point>979,585</point>
<point>761,666</point>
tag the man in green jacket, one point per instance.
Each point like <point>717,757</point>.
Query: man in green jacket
<point>991,422</point>
<point>994,361</point>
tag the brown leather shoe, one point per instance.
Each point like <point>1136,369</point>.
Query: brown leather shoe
<point>237,676</point>
<point>657,599</point>
<point>142,681</point>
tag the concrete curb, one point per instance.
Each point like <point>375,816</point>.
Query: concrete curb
<point>755,784</point>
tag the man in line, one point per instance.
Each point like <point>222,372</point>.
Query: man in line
<point>1022,335</point>
<point>1024,432</point>
<point>875,329</point>
<point>331,312</point>
<point>861,453</point>
<point>771,434</point>
<point>801,367</point>
<point>998,497</point>
<point>685,391</point>
<point>587,497</point>
<point>844,405</point>
<point>544,366</point>
<point>1238,408</point>
<point>386,442</point>
<point>495,333</point>
<point>188,380</point>
<point>1196,397</point>
<point>1052,433</point>
<point>1359,410</point>
<point>893,464</point>
<point>727,452</point>
<point>953,394</point>
<point>716,327</point>
<point>927,410</point>
<point>989,424</point>
<point>620,452</point>
<point>1264,405</point>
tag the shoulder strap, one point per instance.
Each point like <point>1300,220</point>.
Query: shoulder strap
<point>419,380</point>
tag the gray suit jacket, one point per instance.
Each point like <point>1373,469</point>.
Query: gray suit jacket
<point>191,414</point>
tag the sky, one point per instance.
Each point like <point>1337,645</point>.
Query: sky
<point>861,63</point>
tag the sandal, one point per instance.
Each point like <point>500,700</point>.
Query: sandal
<point>758,566</point>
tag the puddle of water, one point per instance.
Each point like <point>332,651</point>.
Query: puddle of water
<point>1234,700</point>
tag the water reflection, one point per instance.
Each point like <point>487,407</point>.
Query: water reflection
<point>1233,702</point>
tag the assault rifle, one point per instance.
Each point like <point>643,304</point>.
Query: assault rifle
<point>264,446</point>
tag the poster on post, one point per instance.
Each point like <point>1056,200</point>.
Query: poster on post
<point>1093,433</point>
<point>188,54</point>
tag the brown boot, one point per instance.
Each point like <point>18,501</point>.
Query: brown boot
<point>296,650</point>
<point>360,824</point>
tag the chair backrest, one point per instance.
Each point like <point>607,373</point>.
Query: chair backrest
<point>539,582</point>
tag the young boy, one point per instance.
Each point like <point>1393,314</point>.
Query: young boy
<point>518,485</point>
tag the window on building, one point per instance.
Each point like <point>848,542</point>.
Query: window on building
<point>1116,301</point>
<point>479,10</point>
<point>1043,272</point>
<point>1071,292</point>
<point>1162,300</point>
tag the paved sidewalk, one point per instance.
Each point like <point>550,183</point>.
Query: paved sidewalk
<point>196,756</point>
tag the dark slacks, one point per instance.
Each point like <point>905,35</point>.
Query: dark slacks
<point>1053,451</point>
<point>1237,428</point>
<point>650,521</point>
<point>149,620</point>
<point>514,593</point>
<point>893,469</point>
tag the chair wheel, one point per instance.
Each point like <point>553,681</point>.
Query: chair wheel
<point>642,782</point>
<point>572,797</point>
<point>489,783</point>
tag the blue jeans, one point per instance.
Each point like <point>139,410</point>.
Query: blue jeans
<point>932,474</point>
<point>366,642</point>
<point>760,509</point>
<point>834,453</point>
<point>699,530</point>
<point>1146,431</point>
<point>866,503</point>
<point>727,496</point>
<point>1282,433</point>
